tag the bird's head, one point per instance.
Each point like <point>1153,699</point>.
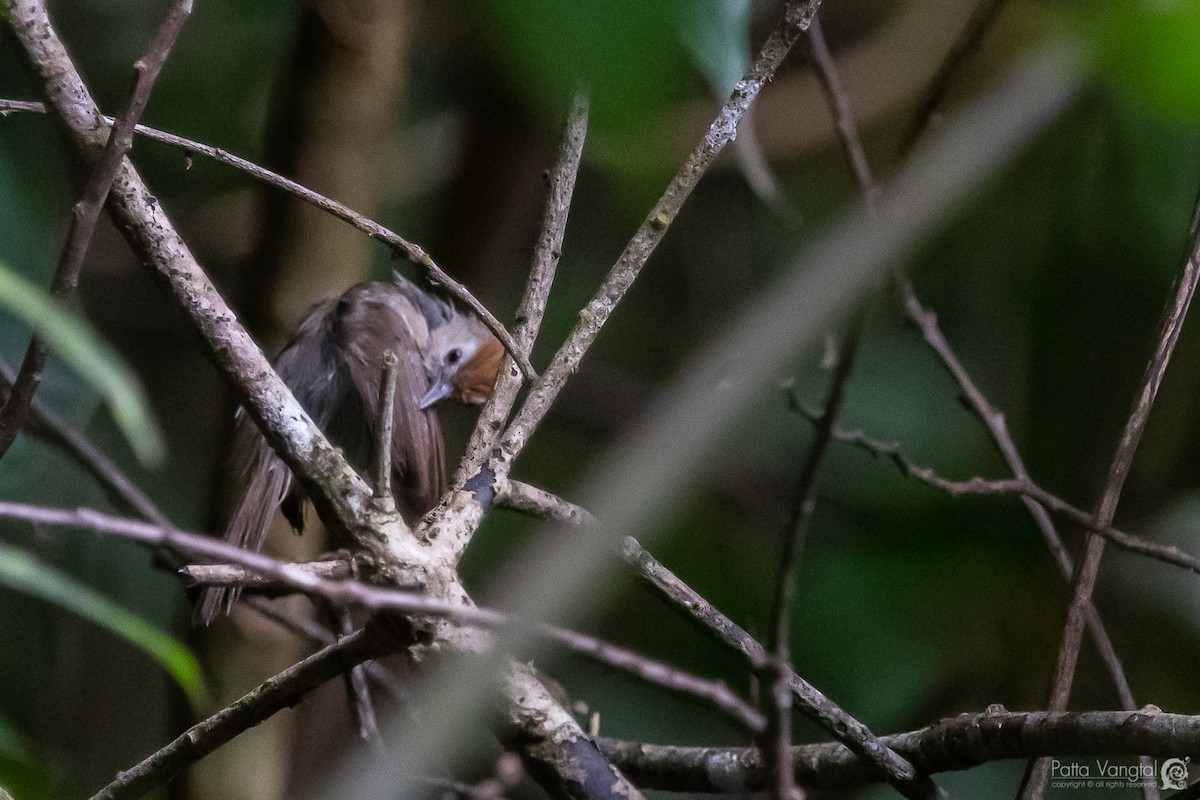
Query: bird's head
<point>462,358</point>
<point>463,361</point>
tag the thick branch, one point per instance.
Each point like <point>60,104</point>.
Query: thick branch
<point>339,495</point>
<point>958,743</point>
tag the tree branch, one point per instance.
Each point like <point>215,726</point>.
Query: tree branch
<point>628,266</point>
<point>279,692</point>
<point>87,212</point>
<point>339,495</point>
<point>957,743</point>
<point>398,243</point>
<point>812,703</point>
<point>1085,575</point>
<point>537,288</point>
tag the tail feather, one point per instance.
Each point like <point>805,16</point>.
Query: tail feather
<point>270,481</point>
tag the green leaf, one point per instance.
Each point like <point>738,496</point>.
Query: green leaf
<point>626,54</point>
<point>21,572</point>
<point>93,360</point>
<point>1148,50</point>
<point>716,35</point>
<point>12,744</point>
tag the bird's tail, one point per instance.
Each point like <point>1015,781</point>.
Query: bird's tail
<point>270,481</point>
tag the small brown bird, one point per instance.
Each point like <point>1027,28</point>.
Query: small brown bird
<point>334,364</point>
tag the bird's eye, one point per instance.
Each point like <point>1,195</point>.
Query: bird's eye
<point>453,356</point>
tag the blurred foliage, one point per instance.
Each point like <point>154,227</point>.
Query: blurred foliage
<point>911,606</point>
<point>1147,47</point>
<point>73,340</point>
<point>20,572</point>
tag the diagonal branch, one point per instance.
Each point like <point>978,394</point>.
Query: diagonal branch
<point>398,243</point>
<point>277,693</point>
<point>338,493</point>
<point>1087,572</point>
<point>87,212</point>
<point>537,288</point>
<point>815,705</point>
<point>796,19</point>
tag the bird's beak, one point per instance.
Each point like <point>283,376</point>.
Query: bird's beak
<point>440,390</point>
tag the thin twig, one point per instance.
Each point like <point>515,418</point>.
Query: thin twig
<point>410,250</point>
<point>844,122</point>
<point>659,674</point>
<point>279,692</point>
<point>561,180</point>
<point>796,19</point>
<point>815,705</point>
<point>358,692</point>
<point>1023,488</point>
<point>964,47</point>
<point>777,740</point>
<point>121,491</point>
<point>1087,572</point>
<point>382,497</point>
<point>87,212</point>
